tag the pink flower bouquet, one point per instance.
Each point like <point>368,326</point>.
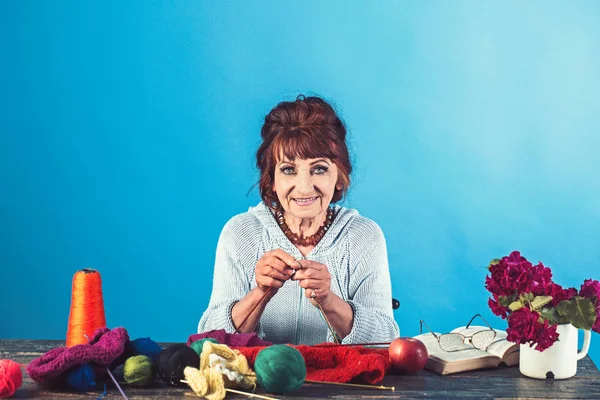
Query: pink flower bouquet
<point>535,305</point>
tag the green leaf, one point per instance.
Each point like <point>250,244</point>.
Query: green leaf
<point>515,305</point>
<point>505,301</point>
<point>579,311</point>
<point>552,315</point>
<point>528,297</point>
<point>495,261</point>
<point>540,301</point>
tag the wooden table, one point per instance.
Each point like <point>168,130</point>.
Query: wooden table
<point>506,383</point>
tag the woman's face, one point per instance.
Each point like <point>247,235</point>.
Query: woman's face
<point>305,187</point>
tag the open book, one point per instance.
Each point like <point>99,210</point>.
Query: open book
<point>499,353</point>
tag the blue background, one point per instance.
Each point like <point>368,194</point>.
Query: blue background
<point>128,132</point>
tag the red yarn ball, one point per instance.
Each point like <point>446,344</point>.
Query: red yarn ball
<point>11,378</point>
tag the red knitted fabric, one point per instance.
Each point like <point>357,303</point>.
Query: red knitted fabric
<point>328,363</point>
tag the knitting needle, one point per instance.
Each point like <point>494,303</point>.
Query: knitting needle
<point>242,393</point>
<point>110,374</point>
<point>356,344</point>
<point>392,388</point>
<point>116,383</point>
<point>237,330</point>
<point>327,321</point>
<point>251,394</point>
<point>315,302</point>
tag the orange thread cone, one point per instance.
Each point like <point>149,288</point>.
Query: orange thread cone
<point>87,307</point>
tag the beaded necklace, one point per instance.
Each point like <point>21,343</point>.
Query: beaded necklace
<point>305,241</point>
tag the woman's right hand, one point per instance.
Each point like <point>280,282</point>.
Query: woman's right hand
<point>273,269</point>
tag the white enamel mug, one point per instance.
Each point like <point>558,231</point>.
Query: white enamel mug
<point>559,361</point>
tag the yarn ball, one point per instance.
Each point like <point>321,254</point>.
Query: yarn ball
<point>146,347</point>
<point>197,345</point>
<point>138,371</point>
<point>173,360</point>
<point>11,378</point>
<point>82,378</point>
<point>280,369</point>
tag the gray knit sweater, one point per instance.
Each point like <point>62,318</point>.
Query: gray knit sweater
<point>353,249</point>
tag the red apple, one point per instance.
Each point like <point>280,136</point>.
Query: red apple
<point>408,355</point>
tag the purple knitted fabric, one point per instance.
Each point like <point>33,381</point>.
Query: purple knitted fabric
<point>104,347</point>
<point>230,339</point>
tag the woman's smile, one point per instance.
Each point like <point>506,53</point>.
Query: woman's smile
<point>304,201</point>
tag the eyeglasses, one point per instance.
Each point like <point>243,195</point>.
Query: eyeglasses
<point>455,341</point>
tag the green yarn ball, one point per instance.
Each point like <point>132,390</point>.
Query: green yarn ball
<point>197,345</point>
<point>138,371</point>
<point>280,369</point>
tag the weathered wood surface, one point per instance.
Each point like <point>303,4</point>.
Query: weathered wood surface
<point>506,383</point>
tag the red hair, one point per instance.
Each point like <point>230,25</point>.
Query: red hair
<point>306,128</point>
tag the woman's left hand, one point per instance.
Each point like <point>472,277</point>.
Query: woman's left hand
<point>315,279</point>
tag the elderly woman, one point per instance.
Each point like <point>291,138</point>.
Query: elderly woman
<point>294,268</point>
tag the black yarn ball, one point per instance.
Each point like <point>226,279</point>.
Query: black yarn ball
<point>173,360</point>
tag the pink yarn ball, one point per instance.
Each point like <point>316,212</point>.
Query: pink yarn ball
<point>11,378</point>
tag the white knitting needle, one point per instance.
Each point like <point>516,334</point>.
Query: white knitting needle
<point>111,375</point>
<point>251,394</point>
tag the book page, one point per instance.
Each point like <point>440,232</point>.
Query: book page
<point>450,362</point>
<point>502,347</point>
<point>433,348</point>
<point>499,347</point>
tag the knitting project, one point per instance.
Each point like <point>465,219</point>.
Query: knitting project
<point>105,346</point>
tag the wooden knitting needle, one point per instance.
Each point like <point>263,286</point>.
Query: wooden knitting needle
<point>258,396</point>
<point>237,330</point>
<point>357,385</point>
<point>392,388</point>
<point>251,394</point>
<point>313,301</point>
<point>356,344</point>
<point>327,322</point>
